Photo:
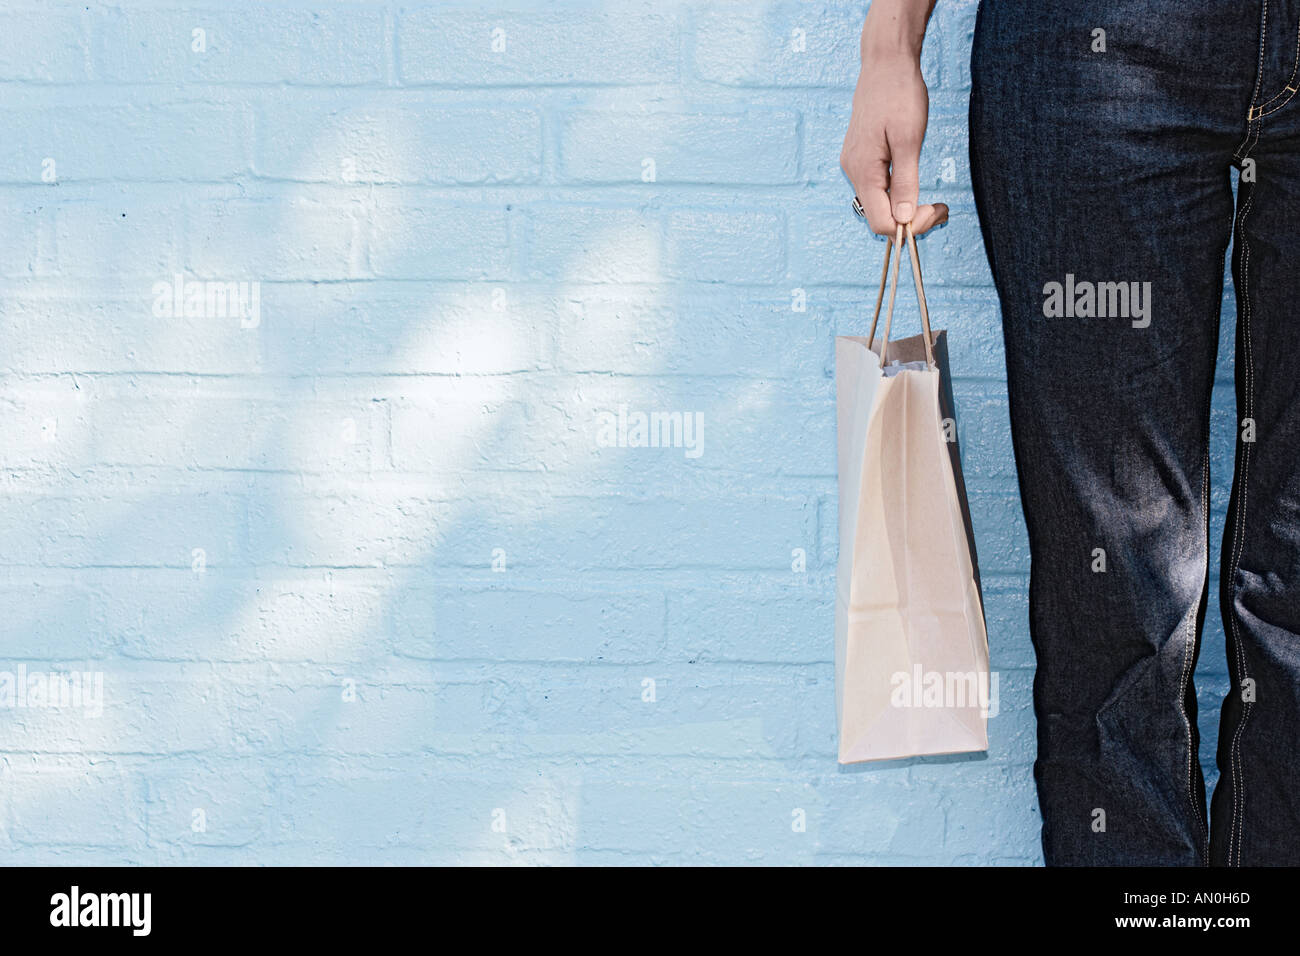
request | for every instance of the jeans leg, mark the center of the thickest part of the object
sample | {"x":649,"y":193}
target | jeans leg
{"x":1256,"y":818}
{"x":1100,"y":173}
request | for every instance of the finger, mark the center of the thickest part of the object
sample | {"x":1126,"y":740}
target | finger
{"x":904,"y":178}
{"x":879,"y":215}
{"x":873,"y":193}
{"x":928,"y":217}
{"x":870,"y":179}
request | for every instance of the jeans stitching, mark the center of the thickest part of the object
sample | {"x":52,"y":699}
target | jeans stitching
{"x":1253,"y":138}
{"x":1192,"y":756}
{"x":1188,"y":643}
{"x":1248,"y":143}
{"x":1203,"y":813}
{"x":1290,"y":88}
{"x":1251,"y":128}
{"x":1291,"y":91}
{"x":1237,"y":546}
{"x":1182,"y":705}
{"x":1234,"y":755}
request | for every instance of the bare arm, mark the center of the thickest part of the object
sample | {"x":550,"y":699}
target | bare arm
{"x":891,"y":106}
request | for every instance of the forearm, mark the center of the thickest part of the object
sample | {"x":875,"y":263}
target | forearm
{"x":895,"y":28}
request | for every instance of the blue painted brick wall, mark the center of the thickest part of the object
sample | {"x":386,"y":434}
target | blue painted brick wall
{"x":361,"y":581}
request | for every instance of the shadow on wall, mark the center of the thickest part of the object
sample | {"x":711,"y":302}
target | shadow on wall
{"x":365,"y":582}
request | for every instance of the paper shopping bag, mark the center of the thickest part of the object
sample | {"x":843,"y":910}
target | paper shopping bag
{"x":911,"y":650}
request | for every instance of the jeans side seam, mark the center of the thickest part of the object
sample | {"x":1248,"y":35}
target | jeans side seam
{"x":1263,"y":39}
{"x":1243,"y":150}
{"x":1192,"y":755}
{"x":1203,"y":807}
{"x":1189,"y":638}
{"x":1188,"y":642}
{"x":1252,"y":138}
{"x":1234,"y":750}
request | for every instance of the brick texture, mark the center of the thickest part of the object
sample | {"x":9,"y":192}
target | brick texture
{"x":363,"y":581}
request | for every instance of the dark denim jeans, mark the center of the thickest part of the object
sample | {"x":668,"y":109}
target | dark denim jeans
{"x":1103,"y":181}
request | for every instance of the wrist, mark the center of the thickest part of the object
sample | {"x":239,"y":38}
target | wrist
{"x":895,"y":30}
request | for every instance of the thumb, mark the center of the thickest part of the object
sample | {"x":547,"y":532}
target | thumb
{"x":905,"y":181}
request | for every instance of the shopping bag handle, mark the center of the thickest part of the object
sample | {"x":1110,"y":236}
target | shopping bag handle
{"x":915,"y":258}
